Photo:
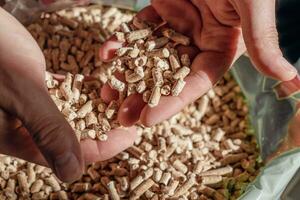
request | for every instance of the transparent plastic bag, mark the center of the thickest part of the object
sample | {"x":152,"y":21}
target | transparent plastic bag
{"x":275,"y":117}
{"x":27,"y":11}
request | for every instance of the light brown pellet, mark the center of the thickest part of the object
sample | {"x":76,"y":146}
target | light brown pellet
{"x":111,"y":109}
{"x":10,"y":189}
{"x":155,"y":97}
{"x":136,"y":182}
{"x":157,"y":174}
{"x":178,"y":87}
{"x":31,"y":174}
{"x":185,"y":60}
{"x":62,"y":195}
{"x":66,"y":88}
{"x":69,"y":22}
{"x":177,"y":164}
{"x":77,"y":86}
{"x":161,"y":63}
{"x":211,"y":180}
{"x":233,"y":158}
{"x":52,"y":181}
{"x":23,"y":183}
{"x":69,"y":114}
{"x":166,"y":176}
{"x":191,"y":181}
{"x":175,"y":63}
{"x":125,"y":28}
{"x":172,"y":187}
{"x":166,"y":90}
{"x":156,"y":43}
{"x":141,"y":87}
{"x":176,"y":37}
{"x":39,"y":195}
{"x":157,"y":76}
{"x":81,"y":187}
{"x":159,"y":53}
{"x":182,"y":73}
{"x":138,"y":34}
{"x":85,"y":109}
{"x":91,"y":119}
{"x":36,"y":186}
{"x":220,"y":171}
{"x":113,"y":191}
{"x":93,"y":174}
{"x":140,"y":61}
{"x":141,"y":189}
{"x":116,"y":84}
{"x":88,"y":134}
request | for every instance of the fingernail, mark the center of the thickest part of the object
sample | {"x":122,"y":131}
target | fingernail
{"x":67,"y":167}
{"x":290,"y":71}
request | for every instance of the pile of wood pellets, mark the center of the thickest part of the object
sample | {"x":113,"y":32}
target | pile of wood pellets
{"x":150,"y":64}
{"x":204,"y":152}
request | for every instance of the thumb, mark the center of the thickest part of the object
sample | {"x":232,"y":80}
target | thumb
{"x":29,"y":101}
{"x":53,"y":136}
{"x":261,"y":38}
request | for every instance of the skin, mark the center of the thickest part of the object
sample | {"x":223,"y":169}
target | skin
{"x":221,"y":30}
{"x":31,"y":127}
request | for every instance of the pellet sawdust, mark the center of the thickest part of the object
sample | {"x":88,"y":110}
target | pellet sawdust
{"x":204,"y":152}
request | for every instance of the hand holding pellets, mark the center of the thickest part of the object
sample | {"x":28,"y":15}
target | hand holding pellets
{"x":150,"y":64}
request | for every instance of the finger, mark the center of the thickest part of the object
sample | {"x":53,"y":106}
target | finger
{"x":287,"y":89}
{"x":49,"y":129}
{"x":108,"y":94}
{"x":261,"y":38}
{"x":192,"y":51}
{"x":130,"y":110}
{"x":27,"y":150}
{"x":188,"y":22}
{"x":118,"y":141}
{"x":224,"y":12}
{"x":15,"y":135}
{"x":150,"y":15}
{"x":207,"y":68}
{"x":108,"y":50}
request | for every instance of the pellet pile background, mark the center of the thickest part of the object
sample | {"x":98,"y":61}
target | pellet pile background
{"x":204,"y":152}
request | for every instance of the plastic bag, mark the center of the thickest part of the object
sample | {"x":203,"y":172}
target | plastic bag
{"x":27,"y":11}
{"x":273,"y":105}
{"x":275,"y":117}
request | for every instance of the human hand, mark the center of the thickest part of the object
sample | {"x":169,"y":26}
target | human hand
{"x":221,"y":32}
{"x":31,"y":127}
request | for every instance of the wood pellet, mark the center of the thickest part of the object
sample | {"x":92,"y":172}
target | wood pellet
{"x":203,"y":152}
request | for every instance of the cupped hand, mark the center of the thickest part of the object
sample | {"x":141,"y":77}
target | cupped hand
{"x":31,"y":126}
{"x":221,"y":30}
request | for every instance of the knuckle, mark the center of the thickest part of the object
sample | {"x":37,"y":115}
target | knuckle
{"x":269,"y":35}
